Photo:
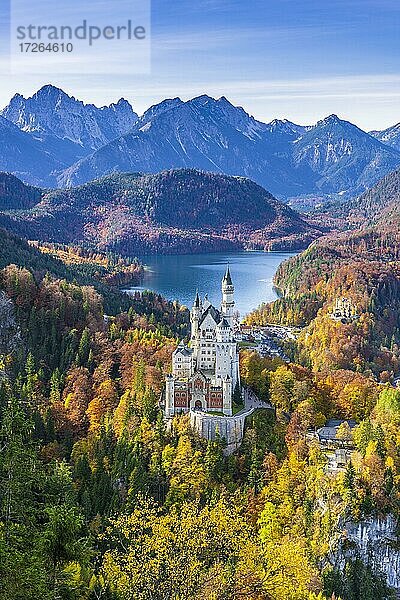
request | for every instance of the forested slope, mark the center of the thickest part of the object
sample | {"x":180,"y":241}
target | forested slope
{"x":179,"y":211}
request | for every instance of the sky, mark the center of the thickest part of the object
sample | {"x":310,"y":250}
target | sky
{"x":295,"y":59}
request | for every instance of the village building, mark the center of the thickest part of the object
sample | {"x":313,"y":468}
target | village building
{"x":335,"y":439}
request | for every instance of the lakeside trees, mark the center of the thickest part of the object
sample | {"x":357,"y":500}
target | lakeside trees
{"x":99,"y":500}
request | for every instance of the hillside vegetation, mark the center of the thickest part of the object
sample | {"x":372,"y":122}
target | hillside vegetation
{"x":172,"y":212}
{"x":362,"y":265}
{"x":101,"y":500}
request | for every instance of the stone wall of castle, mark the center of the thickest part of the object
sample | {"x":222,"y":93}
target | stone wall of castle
{"x":229,"y":428}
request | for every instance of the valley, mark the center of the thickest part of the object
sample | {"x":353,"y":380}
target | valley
{"x":103,"y":494}
{"x":200,"y":300}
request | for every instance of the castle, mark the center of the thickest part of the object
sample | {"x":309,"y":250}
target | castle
{"x":344,"y":311}
{"x":205,"y":373}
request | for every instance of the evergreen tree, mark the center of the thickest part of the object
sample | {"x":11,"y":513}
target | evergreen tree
{"x":237,"y":395}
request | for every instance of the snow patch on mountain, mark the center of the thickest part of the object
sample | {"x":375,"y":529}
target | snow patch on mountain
{"x":389,"y":136}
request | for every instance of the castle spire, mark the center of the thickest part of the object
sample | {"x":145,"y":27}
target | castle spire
{"x":228,"y":301}
{"x":197,"y":299}
{"x":227,"y":277}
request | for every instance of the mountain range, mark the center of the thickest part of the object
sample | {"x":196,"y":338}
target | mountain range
{"x":389,"y":136}
{"x":333,"y":157}
{"x":54,"y":140}
{"x":55,"y":131}
{"x":177,"y":211}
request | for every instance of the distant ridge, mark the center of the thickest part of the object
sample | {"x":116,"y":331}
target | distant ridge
{"x":333,"y":157}
{"x":176,"y":211}
{"x":378,"y":203}
{"x":62,"y":129}
{"x":389,"y":136}
{"x":69,"y":143}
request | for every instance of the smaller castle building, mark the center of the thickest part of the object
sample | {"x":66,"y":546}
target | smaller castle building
{"x":205,"y":373}
{"x":344,"y":311}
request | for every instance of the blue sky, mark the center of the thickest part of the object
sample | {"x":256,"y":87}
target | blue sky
{"x":299,"y":59}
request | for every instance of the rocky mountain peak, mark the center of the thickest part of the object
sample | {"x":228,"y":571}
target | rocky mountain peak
{"x":52,"y":112}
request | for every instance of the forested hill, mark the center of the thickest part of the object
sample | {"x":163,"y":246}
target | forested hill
{"x":385,"y":195}
{"x":362,"y":265}
{"x":378,"y":205}
{"x":184,"y":198}
{"x":99,"y":499}
{"x":63,"y":266}
{"x":16,"y":195}
{"x":14,"y":250}
{"x":174,"y":211}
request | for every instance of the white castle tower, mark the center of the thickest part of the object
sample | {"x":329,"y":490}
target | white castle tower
{"x":228,"y":301}
{"x":206,"y":372}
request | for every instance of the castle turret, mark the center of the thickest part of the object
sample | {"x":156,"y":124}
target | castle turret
{"x":222,"y":354}
{"x":228,"y":301}
{"x":195,"y":315}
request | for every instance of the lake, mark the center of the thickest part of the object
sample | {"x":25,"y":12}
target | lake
{"x":176,"y":277}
